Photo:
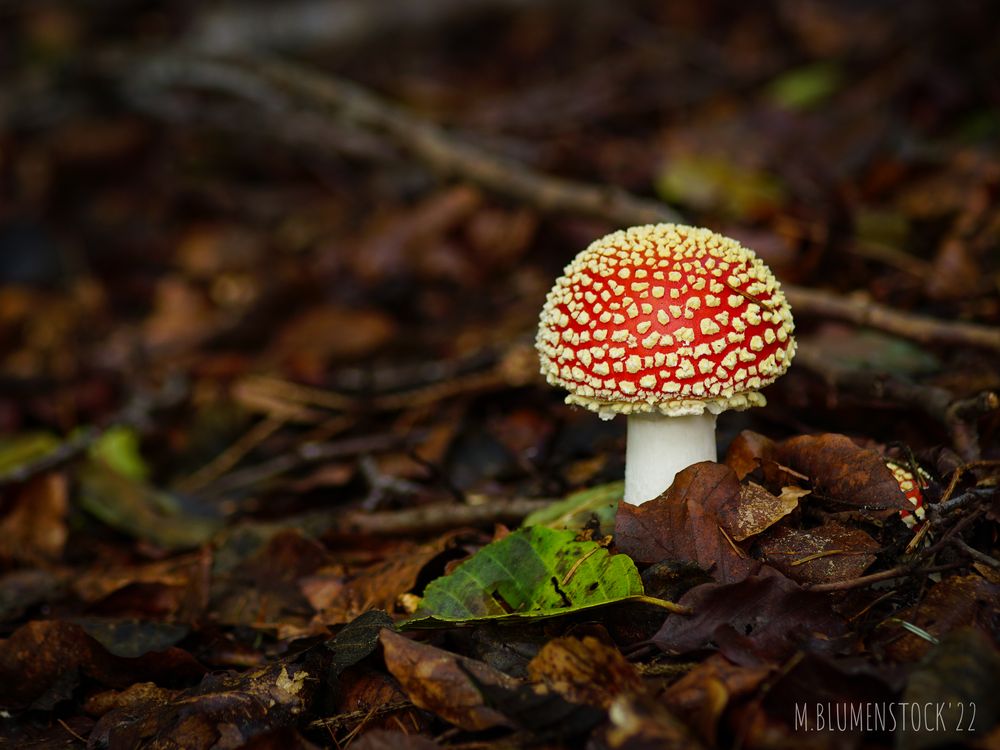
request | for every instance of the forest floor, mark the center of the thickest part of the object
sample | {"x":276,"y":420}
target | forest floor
{"x":270,"y":278}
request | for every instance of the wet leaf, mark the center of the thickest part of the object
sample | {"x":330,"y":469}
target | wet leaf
{"x":434,"y":680}
{"x":532,"y":572}
{"x":637,"y":723}
{"x":831,"y":552}
{"x":585,"y":670}
{"x":580,"y":508}
{"x":356,"y":641}
{"x":747,"y":451}
{"x":684,"y":524}
{"x":42,"y":662}
{"x":841,"y":470}
{"x":17,"y":451}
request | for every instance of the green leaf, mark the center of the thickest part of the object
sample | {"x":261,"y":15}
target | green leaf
{"x":709,"y":182}
{"x":135,"y":508}
{"x":17,"y":451}
{"x":532,"y":573}
{"x":118,"y":447}
{"x":577,"y":510}
{"x":806,"y":87}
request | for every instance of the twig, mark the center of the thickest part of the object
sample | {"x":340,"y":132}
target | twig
{"x":975,"y":554}
{"x":427,"y":519}
{"x":863,"y":312}
{"x":939,"y":510}
{"x":278,"y":84}
{"x":305,"y":23}
{"x":958,"y":416}
{"x":306,"y":453}
{"x":899,"y":571}
{"x":134,"y":414}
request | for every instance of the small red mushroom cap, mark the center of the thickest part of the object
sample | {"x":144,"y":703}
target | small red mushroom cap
{"x":911,"y":486}
{"x":665,"y":318}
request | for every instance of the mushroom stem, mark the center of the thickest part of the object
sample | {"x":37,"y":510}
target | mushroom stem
{"x":659,"y":446}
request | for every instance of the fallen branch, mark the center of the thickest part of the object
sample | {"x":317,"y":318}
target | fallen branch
{"x":277,"y":84}
{"x":863,"y":312}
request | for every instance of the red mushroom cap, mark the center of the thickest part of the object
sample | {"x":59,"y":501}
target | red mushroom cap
{"x":911,"y":486}
{"x":665,"y":318}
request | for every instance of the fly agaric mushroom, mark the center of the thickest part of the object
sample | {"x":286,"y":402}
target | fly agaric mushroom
{"x":669,"y":325}
{"x":912,"y":486}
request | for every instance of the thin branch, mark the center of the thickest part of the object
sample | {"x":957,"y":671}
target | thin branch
{"x":958,"y":416}
{"x":135,"y":414}
{"x":428,"y":518}
{"x":863,"y":312}
{"x":277,"y":84}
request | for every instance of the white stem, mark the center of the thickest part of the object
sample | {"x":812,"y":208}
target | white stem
{"x":659,"y":447}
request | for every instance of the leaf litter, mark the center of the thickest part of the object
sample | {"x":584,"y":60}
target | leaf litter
{"x":276,"y":468}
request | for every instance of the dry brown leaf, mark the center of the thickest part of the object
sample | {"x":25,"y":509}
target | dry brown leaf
{"x":747,"y":451}
{"x":841,"y":470}
{"x":684,"y":523}
{"x":758,"y":509}
{"x":433,"y":680}
{"x":35,"y":529}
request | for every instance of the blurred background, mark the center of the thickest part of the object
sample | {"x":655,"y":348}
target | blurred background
{"x":231,"y":264}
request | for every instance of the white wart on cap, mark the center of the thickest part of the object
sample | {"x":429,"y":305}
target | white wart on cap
{"x":667,"y":319}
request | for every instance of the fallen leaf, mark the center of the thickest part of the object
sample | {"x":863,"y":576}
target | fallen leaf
{"x":955,"y":602}
{"x":831,"y":552}
{"x":224,"y":711}
{"x":747,"y":451}
{"x":42,"y":662}
{"x":139,"y":510}
{"x":701,"y":696}
{"x":132,"y":638}
{"x":433,"y":680}
{"x":765,"y":616}
{"x":35,"y":528}
{"x":638,"y":723}
{"x":841,"y":470}
{"x":683,"y":524}
{"x":959,"y":675}
{"x":584,"y":671}
{"x":806,"y":87}
{"x":356,"y":641}
{"x":262,"y":590}
{"x":530,"y":573}
{"x":580,"y":508}
{"x":758,"y":510}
